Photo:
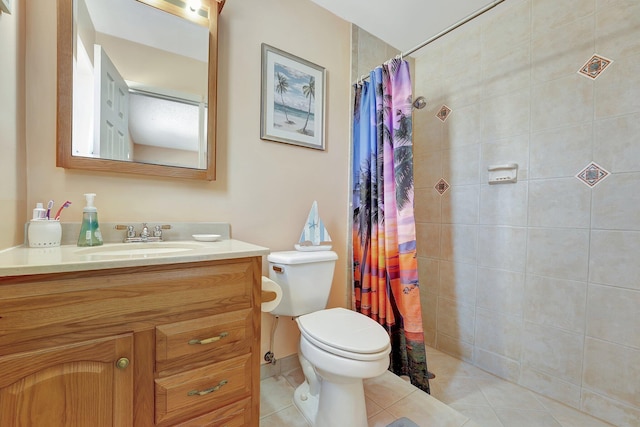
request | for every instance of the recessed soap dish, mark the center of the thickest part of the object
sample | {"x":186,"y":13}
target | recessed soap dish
{"x":206,"y":237}
{"x":503,"y":174}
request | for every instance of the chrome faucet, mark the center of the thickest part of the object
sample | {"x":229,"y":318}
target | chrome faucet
{"x":144,"y":235}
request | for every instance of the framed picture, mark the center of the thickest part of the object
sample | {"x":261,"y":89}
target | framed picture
{"x":293,"y":99}
{"x":5,"y":6}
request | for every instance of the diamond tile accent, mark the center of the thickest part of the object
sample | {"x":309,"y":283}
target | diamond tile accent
{"x":444,"y":112}
{"x":442,"y":186}
{"x":594,"y":66}
{"x":592,"y":174}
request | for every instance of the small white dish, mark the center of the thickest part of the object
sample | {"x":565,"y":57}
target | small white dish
{"x":206,"y":237}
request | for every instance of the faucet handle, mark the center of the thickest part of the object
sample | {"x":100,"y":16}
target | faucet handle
{"x":157,"y":231}
{"x":129,"y":228}
{"x":145,"y":230}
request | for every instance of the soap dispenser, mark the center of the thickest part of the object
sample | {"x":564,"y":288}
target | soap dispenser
{"x":90,"y":231}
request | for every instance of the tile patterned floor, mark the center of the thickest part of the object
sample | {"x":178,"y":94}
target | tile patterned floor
{"x":461,"y":395}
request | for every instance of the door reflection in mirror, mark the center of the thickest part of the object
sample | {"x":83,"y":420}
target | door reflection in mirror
{"x":140,"y":90}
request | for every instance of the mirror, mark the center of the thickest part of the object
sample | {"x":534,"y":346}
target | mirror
{"x":137,"y":86}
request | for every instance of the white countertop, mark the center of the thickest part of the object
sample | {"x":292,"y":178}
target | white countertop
{"x":23,"y":260}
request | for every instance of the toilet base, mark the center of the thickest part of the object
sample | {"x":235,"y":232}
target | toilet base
{"x":338,"y":404}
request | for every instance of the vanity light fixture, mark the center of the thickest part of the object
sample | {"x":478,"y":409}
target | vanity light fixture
{"x":194,"y":5}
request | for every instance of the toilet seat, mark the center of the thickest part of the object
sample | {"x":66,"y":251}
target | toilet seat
{"x":345,"y":333}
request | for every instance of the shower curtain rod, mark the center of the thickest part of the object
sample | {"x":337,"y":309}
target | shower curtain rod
{"x":448,"y":30}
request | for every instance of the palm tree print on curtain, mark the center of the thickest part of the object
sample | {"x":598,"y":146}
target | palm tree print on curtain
{"x":384,"y":243}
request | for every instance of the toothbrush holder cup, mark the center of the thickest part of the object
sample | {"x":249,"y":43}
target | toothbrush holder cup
{"x":44,"y":233}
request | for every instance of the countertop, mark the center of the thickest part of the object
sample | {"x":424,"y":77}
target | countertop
{"x":23,"y":260}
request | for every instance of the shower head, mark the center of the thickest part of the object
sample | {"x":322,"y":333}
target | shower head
{"x":420,"y":103}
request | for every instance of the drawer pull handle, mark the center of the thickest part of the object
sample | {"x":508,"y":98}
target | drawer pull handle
{"x":207,"y":391}
{"x":209,"y":340}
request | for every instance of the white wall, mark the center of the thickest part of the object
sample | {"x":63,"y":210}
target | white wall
{"x":264,"y":189}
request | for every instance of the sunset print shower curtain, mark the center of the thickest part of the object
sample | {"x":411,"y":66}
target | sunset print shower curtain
{"x":385,"y":272}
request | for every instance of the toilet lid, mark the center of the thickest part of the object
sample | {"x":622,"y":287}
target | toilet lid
{"x":344,"y":330}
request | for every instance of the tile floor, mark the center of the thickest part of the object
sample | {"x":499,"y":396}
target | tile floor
{"x":461,"y":395}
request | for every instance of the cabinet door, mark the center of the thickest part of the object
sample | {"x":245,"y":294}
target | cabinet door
{"x":70,"y":385}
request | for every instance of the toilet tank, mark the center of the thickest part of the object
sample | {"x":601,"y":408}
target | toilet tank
{"x":305,"y":279}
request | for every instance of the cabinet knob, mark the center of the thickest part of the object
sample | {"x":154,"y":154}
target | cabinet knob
{"x":122,"y":363}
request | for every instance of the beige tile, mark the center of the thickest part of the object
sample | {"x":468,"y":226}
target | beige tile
{"x":617,"y":29}
{"x":503,"y":31}
{"x":446,"y":367}
{"x":427,"y":128}
{"x":372,"y":408}
{"x":427,"y":169}
{"x":565,"y":101}
{"x":617,"y":89}
{"x":459,"y":93}
{"x":612,"y":315}
{"x":295,"y":377}
{"x":525,"y":418}
{"x":499,"y":333}
{"x":455,"y":319}
{"x":276,"y":394}
{"x":615,"y":143}
{"x":505,"y":395}
{"x":570,"y":417}
{"x":615,"y":412}
{"x":615,"y":258}
{"x":459,"y":242}
{"x":549,"y":14}
{"x":382,"y":419}
{"x":611,"y":378}
{"x":461,"y":166}
{"x":429,"y":275}
{"x":458,"y":282}
{"x":502,"y":247}
{"x":428,"y":239}
{"x":560,"y":152}
{"x":461,"y":49}
{"x":427,"y":411}
{"x":454,"y":346}
{"x":504,"y":204}
{"x":506,"y":115}
{"x":555,"y":302}
{"x":550,"y":386}
{"x":462,"y":130}
{"x":500,"y":290}
{"x":553,"y":351}
{"x":551,"y":60}
{"x":558,"y":252}
{"x":507,"y":74}
{"x":617,"y":209}
{"x":461,"y":204}
{"x":429,"y":306}
{"x":289,"y":417}
{"x":386,"y":389}
{"x":427,"y":203}
{"x":484,"y":416}
{"x":460,"y":390}
{"x":562,"y":202}
{"x":500,"y":366}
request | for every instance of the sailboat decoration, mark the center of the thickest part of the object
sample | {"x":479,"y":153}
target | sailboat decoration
{"x":314,"y":236}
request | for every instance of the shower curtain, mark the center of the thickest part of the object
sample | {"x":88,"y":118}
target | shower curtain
{"x":385,"y":273}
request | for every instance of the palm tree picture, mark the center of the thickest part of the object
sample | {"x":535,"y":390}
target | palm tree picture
{"x":292,"y":99}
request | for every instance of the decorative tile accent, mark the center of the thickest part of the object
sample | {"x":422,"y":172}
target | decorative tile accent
{"x":442,"y":186}
{"x":592,"y":174}
{"x":444,"y":112}
{"x":594,"y":66}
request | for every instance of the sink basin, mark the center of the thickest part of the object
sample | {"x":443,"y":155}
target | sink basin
{"x":131,"y":250}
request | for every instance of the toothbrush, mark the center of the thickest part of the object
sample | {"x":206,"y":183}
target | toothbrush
{"x":49,"y":207}
{"x":65,"y":205}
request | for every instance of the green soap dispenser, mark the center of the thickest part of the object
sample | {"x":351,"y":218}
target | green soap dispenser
{"x":90,"y":231}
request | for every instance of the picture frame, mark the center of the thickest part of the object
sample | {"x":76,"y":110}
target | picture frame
{"x":5,"y":6}
{"x":293,"y":92}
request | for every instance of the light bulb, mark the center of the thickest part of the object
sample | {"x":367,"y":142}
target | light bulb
{"x":194,"y":5}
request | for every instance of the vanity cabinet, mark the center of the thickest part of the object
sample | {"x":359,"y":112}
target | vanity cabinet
{"x":159,"y":345}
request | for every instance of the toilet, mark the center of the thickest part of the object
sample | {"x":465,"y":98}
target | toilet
{"x":338,"y":347}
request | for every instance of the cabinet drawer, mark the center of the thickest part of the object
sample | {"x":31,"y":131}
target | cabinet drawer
{"x":203,"y":389}
{"x":235,"y":415}
{"x":211,"y":339}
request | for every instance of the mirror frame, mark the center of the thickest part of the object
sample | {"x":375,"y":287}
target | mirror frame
{"x":64,"y":157}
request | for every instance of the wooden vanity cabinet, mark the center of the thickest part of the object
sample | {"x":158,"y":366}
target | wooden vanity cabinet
{"x":141,"y":346}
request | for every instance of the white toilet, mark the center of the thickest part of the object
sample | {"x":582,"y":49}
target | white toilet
{"x":338,"y":347}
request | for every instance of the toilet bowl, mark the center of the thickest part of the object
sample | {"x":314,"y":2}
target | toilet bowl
{"x":338,"y":348}
{"x":344,"y":348}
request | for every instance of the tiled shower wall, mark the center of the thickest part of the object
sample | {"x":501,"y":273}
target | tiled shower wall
{"x":537,"y":281}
